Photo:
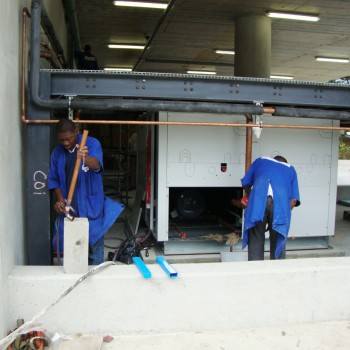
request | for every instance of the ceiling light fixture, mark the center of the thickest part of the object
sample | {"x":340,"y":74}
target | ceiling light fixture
{"x":332,"y":59}
{"x":153,"y":5}
{"x":225,"y":52}
{"x":118,"y":69}
{"x":281,"y":77}
{"x":126,"y":46}
{"x":200,"y":72}
{"x":294,"y":16}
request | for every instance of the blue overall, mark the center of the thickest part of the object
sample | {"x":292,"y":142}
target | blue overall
{"x":90,"y":200}
{"x":283,"y":179}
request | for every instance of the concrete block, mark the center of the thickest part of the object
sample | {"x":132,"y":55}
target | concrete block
{"x":76,"y":245}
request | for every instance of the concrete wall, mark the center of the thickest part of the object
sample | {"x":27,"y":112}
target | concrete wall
{"x":12,"y":150}
{"x":204,"y":297}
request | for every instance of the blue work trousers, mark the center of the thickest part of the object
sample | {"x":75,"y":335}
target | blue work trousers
{"x":97,"y":252}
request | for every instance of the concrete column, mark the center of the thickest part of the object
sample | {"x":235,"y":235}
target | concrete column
{"x":253,"y":46}
{"x":76,"y":245}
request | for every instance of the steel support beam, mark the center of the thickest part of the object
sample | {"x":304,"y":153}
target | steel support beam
{"x":38,"y":226}
{"x":196,"y":88}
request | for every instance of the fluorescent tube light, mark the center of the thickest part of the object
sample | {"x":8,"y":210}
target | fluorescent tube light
{"x":118,"y":69}
{"x":125,"y":46}
{"x":200,"y":72}
{"x":281,"y":77}
{"x":294,"y":16}
{"x":153,"y":5}
{"x":332,"y":59}
{"x":225,"y":52}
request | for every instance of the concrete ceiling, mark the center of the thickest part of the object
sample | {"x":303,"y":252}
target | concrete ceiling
{"x":185,"y":36}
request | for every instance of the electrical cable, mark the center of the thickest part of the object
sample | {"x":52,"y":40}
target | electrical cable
{"x":109,"y":247}
{"x":57,"y":224}
{"x":28,"y":326}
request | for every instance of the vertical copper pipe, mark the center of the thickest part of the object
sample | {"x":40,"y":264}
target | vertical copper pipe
{"x":49,"y":57}
{"x":25,"y":13}
{"x":248,"y":143}
{"x":77,"y":115}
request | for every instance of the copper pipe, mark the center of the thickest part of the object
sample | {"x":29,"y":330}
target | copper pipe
{"x":238,"y":125}
{"x":45,"y":45}
{"x":269,"y":110}
{"x":77,"y":115}
{"x":248,"y":143}
{"x":45,"y":54}
{"x":49,"y":57}
{"x":25,"y":14}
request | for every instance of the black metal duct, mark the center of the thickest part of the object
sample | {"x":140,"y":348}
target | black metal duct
{"x":173,"y":106}
{"x":311,"y":113}
{"x":70,"y":9}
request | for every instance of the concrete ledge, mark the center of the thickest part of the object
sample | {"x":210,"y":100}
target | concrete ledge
{"x":204,"y":297}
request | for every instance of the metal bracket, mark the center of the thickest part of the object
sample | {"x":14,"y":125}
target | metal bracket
{"x":70,"y":110}
{"x":258,"y":121}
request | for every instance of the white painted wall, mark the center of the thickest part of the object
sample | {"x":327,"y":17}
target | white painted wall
{"x":12,"y":150}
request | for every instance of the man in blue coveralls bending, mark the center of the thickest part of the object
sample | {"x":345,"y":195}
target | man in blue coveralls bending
{"x":88,"y":200}
{"x":272,"y":186}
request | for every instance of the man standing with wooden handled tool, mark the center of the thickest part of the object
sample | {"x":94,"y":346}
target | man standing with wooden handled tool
{"x":79,"y":189}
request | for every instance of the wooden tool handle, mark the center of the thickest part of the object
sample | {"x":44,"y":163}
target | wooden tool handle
{"x":76,"y":169}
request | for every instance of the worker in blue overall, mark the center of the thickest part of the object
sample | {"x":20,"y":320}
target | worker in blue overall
{"x":88,"y":200}
{"x":85,"y":60}
{"x":272,"y":187}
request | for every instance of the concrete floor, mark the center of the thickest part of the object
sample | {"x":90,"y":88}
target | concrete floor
{"x":316,"y":336}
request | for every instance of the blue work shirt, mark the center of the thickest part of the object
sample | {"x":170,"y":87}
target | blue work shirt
{"x":92,"y":204}
{"x":283,"y":179}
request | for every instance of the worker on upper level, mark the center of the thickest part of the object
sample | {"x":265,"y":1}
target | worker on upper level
{"x":85,"y":60}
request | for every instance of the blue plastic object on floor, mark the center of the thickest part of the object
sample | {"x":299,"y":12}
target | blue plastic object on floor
{"x":142,"y":267}
{"x":169,"y":270}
